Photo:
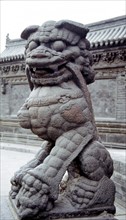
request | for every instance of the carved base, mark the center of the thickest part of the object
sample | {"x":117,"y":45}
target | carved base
{"x":64,"y":210}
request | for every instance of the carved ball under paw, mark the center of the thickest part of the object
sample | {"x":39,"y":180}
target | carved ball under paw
{"x":32,"y":197}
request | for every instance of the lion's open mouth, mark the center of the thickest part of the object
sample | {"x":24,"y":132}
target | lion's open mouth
{"x":39,"y":72}
{"x":52,"y":75}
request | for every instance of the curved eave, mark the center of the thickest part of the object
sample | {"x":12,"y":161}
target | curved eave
{"x":108,"y":43}
{"x":94,"y":45}
{"x":12,"y":58}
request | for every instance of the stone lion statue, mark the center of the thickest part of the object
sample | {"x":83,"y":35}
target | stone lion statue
{"x":59,"y":111}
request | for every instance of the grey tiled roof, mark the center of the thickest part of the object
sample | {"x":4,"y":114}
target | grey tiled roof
{"x":104,"y":33}
{"x":107,"y":33}
{"x":14,"y":50}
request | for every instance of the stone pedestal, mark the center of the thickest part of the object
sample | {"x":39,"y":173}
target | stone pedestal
{"x":67,"y":212}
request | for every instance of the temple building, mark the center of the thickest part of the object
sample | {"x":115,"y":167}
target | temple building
{"x":108,"y":46}
{"x":108,"y":92}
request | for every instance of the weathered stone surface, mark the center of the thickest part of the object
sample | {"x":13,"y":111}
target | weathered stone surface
{"x":59,"y":110}
{"x":12,"y":101}
{"x":104,"y":98}
{"x":66,"y":212}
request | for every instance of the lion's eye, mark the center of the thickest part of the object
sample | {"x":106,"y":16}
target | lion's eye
{"x":58,"y":45}
{"x":32,"y":45}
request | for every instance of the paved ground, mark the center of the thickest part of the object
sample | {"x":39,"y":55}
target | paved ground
{"x":12,"y":158}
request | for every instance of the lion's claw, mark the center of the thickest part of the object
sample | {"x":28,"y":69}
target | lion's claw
{"x":16,"y":184}
{"x":15,"y":187}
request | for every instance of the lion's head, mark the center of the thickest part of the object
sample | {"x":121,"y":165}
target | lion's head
{"x":54,"y":45}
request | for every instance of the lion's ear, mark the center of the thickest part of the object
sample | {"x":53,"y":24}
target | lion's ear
{"x":29,"y":30}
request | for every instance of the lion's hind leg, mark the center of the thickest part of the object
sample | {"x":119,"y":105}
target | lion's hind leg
{"x":93,"y":188}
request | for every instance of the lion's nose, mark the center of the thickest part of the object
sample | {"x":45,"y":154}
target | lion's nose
{"x":43,"y":52}
{"x":49,"y":51}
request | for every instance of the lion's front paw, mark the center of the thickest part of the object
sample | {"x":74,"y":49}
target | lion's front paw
{"x":32,"y":197}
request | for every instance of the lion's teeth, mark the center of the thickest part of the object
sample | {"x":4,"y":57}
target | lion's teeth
{"x":34,"y":69}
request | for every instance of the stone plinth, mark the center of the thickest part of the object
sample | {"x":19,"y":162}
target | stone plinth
{"x":105,"y":213}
